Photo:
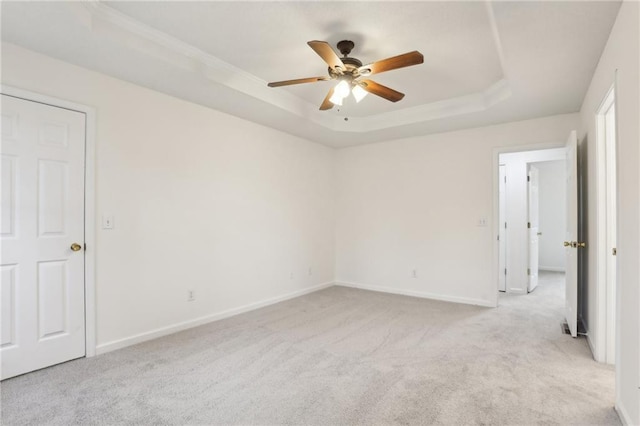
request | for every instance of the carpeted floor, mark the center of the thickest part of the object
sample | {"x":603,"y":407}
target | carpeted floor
{"x":338,"y":356}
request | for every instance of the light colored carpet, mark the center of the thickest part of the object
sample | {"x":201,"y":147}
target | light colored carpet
{"x":338,"y":356}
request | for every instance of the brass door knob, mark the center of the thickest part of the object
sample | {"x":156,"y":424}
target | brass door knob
{"x":567,"y":244}
{"x":76,"y":247}
{"x":580,"y":245}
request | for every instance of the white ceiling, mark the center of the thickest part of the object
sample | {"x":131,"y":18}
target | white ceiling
{"x":485,"y":62}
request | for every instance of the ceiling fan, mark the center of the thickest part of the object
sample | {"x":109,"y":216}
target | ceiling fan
{"x":350,"y":71}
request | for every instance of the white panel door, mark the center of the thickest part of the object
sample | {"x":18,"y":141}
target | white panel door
{"x":42,"y":277}
{"x":571,"y":235}
{"x":534,"y":226}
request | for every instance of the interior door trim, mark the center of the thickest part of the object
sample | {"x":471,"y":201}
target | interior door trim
{"x":89,"y":203}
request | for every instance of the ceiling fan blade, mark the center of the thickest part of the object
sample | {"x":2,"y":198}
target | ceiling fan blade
{"x":380,"y":90}
{"x":400,"y":61}
{"x":297,"y":81}
{"x":327,"y":104}
{"x":325,"y":51}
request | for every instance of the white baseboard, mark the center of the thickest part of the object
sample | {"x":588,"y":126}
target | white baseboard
{"x":592,"y":346}
{"x":174,"y":328}
{"x":551,"y":268}
{"x":623,"y":414}
{"x":433,"y":296}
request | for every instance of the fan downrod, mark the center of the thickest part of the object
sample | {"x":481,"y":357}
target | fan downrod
{"x":345,"y":47}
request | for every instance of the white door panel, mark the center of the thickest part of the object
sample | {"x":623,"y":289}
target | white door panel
{"x":571,"y":235}
{"x":42,"y":215}
{"x":8,"y":183}
{"x":8,"y":284}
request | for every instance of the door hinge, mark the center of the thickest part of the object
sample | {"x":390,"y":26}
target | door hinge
{"x":505,"y":179}
{"x":498,"y":238}
{"x":505,"y":225}
{"x":528,"y":178}
{"x":528,"y":271}
{"x":614,"y":251}
{"x":505,"y":271}
{"x":528,"y":224}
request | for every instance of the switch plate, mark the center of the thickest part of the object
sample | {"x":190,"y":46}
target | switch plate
{"x":107,"y":221}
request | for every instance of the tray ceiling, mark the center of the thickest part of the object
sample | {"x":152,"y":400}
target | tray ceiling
{"x":485,"y":62}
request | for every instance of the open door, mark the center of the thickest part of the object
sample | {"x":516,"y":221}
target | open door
{"x":571,"y":235}
{"x":533,"y":226}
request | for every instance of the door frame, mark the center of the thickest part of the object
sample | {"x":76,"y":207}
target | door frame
{"x":89,"y":203}
{"x":603,"y":304}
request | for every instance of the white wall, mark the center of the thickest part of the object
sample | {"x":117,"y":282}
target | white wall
{"x":553,"y":214}
{"x":202,"y":200}
{"x":416,"y":204}
{"x":622,"y":53}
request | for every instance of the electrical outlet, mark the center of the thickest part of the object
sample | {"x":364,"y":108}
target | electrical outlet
{"x":482,"y":221}
{"x":191,"y":296}
{"x":310,"y":271}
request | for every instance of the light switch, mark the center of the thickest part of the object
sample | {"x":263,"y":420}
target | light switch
{"x":107,"y":221}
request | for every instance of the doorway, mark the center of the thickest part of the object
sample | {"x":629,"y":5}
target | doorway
{"x":517,"y":224}
{"x":551,"y":213}
{"x":47,"y":307}
{"x":531,"y":215}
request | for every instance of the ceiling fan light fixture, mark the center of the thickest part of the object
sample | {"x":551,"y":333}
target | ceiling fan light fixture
{"x":348,"y":70}
{"x":358,"y":93}
{"x":342,"y":89}
{"x":340,"y":92}
{"x":336,"y":100}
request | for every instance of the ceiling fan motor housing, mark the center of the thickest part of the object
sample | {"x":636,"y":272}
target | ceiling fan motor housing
{"x":351,"y":65}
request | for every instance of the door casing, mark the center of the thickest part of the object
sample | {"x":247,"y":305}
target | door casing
{"x":89,"y":203}
{"x":605,"y":304}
